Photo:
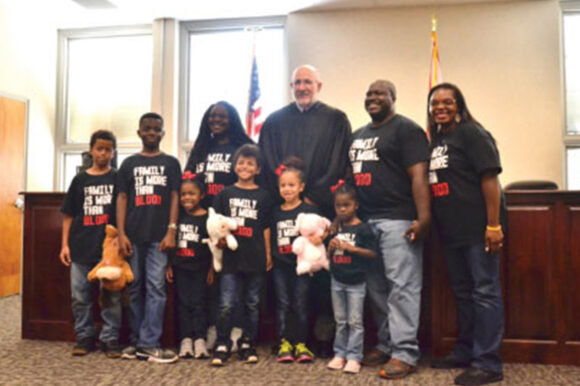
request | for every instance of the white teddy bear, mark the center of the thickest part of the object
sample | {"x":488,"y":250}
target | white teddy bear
{"x":219,"y":227}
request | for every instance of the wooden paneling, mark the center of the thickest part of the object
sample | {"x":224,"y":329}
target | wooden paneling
{"x":46,"y":310}
{"x":12,"y":131}
{"x":571,"y":288}
{"x":540,"y":270}
{"x":528,"y":249}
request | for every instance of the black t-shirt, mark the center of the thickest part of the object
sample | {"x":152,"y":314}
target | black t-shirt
{"x":380,"y":158}
{"x":191,"y":253}
{"x":284,"y":232}
{"x":218,"y":170}
{"x":458,"y":160}
{"x":148,"y":183}
{"x":350,"y":268}
{"x":90,"y":201}
{"x":251,"y":209}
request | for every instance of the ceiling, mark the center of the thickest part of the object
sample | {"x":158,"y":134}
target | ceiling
{"x":81,"y":13}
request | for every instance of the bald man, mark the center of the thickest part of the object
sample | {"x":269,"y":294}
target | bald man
{"x":320,"y":136}
{"x":312,"y":131}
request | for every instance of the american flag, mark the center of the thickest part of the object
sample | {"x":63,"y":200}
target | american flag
{"x":254,"y":119}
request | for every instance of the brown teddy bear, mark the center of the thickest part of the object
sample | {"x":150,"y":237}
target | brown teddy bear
{"x":113,"y":270}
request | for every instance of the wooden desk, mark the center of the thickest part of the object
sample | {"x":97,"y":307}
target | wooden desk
{"x":540,"y":269}
{"x":540,"y":273}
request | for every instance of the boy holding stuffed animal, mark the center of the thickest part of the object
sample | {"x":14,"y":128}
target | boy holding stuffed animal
{"x":243,"y":269}
{"x":88,"y":207}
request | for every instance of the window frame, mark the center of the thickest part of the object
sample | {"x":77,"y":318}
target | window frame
{"x":62,"y":147}
{"x":570,"y":141}
{"x":186,"y":29}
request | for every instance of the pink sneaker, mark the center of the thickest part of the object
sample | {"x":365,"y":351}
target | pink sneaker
{"x":337,"y":363}
{"x":352,"y":367}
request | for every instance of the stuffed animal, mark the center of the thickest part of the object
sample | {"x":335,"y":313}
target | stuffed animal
{"x":113,"y":270}
{"x":219,"y":227}
{"x":309,"y":257}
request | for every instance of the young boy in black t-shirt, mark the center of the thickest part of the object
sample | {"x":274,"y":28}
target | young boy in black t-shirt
{"x":243,"y":268}
{"x":147,"y":211}
{"x":88,"y":207}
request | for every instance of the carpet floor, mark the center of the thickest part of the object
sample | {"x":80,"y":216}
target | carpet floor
{"x":28,"y":362}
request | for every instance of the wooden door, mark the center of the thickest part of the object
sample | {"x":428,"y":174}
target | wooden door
{"x":12,"y":137}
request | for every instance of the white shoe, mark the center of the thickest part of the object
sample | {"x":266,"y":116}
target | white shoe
{"x":337,"y":363}
{"x":352,"y":367}
{"x":186,"y":348}
{"x":211,"y":338}
{"x":235,"y":335}
{"x":200,"y":349}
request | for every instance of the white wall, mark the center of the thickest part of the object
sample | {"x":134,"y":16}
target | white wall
{"x":28,"y":69}
{"x":504,"y":56}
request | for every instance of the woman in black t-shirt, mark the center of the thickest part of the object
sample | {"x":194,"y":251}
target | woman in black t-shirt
{"x":220,"y":134}
{"x":466,"y":201}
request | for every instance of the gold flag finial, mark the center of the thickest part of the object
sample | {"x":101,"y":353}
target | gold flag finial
{"x":433,"y":22}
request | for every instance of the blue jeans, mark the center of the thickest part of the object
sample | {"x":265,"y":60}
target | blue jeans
{"x":348,"y":303}
{"x":474,"y":277}
{"x":231,"y":286}
{"x":147,"y":294}
{"x":394,"y":286}
{"x":82,"y":306}
{"x":291,"y":296}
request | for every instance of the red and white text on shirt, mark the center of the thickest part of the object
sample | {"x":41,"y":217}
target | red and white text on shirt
{"x":151,"y":199}
{"x":244,"y":232}
{"x":341,"y":259}
{"x":285,"y":249}
{"x":96,"y":220}
{"x":214,"y":189}
{"x":185,"y":252}
{"x":362,"y":179}
{"x":439,"y":190}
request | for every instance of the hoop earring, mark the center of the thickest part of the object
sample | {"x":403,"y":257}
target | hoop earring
{"x":457,"y":118}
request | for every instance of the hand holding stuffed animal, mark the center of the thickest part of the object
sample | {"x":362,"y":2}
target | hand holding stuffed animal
{"x":310,"y":258}
{"x":113,"y":270}
{"x":219,"y":227}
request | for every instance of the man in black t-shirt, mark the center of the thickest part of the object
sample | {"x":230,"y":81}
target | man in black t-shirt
{"x":389,"y":163}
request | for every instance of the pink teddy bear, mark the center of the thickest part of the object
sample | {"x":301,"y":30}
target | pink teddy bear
{"x":310,"y":258}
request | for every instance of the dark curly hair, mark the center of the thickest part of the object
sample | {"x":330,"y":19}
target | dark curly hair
{"x":236,"y":133}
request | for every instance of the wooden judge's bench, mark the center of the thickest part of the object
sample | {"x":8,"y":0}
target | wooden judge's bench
{"x":540,"y":270}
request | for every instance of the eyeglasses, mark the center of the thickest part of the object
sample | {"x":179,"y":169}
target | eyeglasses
{"x":444,"y":102}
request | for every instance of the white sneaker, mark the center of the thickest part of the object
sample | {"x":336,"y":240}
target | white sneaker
{"x":337,"y":363}
{"x":200,"y":349}
{"x":235,"y":335}
{"x":211,"y":338}
{"x":352,"y":367}
{"x":186,"y":348}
